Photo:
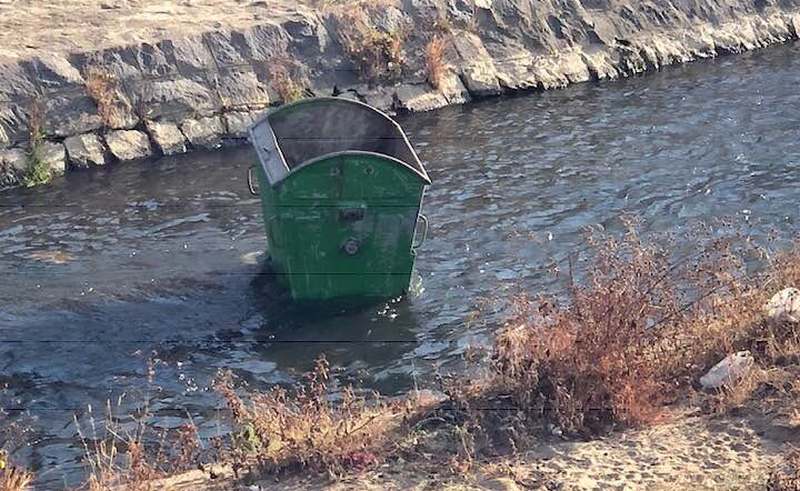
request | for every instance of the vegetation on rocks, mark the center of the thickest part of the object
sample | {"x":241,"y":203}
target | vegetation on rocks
{"x":101,"y":86}
{"x":38,"y":170}
{"x":286,"y":80}
{"x":434,"y":61}
{"x":377,"y":53}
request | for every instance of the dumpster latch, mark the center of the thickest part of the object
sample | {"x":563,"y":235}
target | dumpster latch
{"x":349,"y":215}
{"x":351,"y":246}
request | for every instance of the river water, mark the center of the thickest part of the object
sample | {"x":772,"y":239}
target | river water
{"x":108,"y":268}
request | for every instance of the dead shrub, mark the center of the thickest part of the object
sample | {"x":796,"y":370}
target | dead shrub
{"x":641,"y":325}
{"x":127,"y":452}
{"x":101,"y":87}
{"x":15,"y":433}
{"x":38,"y":170}
{"x":594,"y":361}
{"x":13,"y":478}
{"x":285,"y":79}
{"x":377,"y":54}
{"x":133,"y":459}
{"x":279,"y":430}
{"x":434,"y":61}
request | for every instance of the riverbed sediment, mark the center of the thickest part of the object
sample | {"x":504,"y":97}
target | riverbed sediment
{"x":143,"y":79}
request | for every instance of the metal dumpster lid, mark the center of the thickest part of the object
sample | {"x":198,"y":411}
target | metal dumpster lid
{"x":295,"y":135}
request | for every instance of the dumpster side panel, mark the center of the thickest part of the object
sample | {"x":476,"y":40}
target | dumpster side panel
{"x":344,"y":226}
{"x":276,"y":248}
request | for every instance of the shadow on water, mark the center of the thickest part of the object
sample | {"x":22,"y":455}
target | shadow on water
{"x":338,"y":328}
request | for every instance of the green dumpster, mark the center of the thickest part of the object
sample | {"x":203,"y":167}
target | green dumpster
{"x":341,"y":190}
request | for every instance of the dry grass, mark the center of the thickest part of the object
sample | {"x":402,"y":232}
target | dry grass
{"x":128,"y":453}
{"x":101,"y":86}
{"x":119,"y":458}
{"x":14,"y":433}
{"x":38,"y":171}
{"x":434,"y":61}
{"x":378,"y":55}
{"x":595,"y":360}
{"x":786,"y":476}
{"x":280,"y":431}
{"x":286,"y":81}
{"x":13,"y":478}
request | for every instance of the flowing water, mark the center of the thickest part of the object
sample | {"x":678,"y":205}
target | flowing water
{"x":108,"y":268}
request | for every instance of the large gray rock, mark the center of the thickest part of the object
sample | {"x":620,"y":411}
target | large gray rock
{"x":13,"y":165}
{"x":14,"y":122}
{"x":128,"y":144}
{"x":453,"y":89}
{"x":55,"y":156}
{"x":14,"y":158}
{"x":477,"y":66}
{"x":85,"y":150}
{"x":119,"y":61}
{"x":175,"y":99}
{"x":241,"y":89}
{"x":14,"y":162}
{"x":16,"y":83}
{"x":729,"y":371}
{"x":264,"y":41}
{"x":204,"y":133}
{"x":419,"y":98}
{"x":784,"y":306}
{"x":167,"y":137}
{"x":190,"y":54}
{"x":55,"y":71}
{"x":228,"y":47}
{"x":154,"y":61}
{"x":68,"y":114}
{"x":239,"y":123}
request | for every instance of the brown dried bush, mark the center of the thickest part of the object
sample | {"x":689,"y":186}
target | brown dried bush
{"x":13,"y":478}
{"x":279,"y":430}
{"x":101,"y":86}
{"x":434,"y":61}
{"x":15,"y":429}
{"x":593,"y":361}
{"x":128,"y":453}
{"x":377,"y":54}
{"x":285,"y":79}
{"x":38,"y":170}
{"x":641,"y":325}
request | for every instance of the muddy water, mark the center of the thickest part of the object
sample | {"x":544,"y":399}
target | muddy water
{"x":108,"y":268}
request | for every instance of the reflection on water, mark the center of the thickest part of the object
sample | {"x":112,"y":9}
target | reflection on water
{"x":107,"y":267}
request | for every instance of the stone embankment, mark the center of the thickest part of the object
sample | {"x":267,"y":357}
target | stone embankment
{"x":73,"y":97}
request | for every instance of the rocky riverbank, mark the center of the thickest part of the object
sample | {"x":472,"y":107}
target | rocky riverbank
{"x":144,"y":78}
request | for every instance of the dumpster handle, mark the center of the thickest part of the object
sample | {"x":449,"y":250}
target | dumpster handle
{"x":424,"y":221}
{"x":250,"y":185}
